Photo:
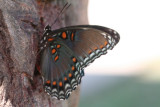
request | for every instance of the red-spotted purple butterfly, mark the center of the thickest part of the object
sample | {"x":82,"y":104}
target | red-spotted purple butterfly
{"x":66,"y":51}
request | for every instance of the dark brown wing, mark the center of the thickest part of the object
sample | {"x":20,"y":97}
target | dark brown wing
{"x":68,"y":51}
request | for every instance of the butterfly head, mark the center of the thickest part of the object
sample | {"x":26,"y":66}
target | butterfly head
{"x":47,"y":28}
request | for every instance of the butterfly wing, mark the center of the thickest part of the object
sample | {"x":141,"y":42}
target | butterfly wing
{"x":67,"y":51}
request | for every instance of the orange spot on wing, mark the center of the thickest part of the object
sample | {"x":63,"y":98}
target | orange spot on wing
{"x":70,"y":75}
{"x":53,"y":50}
{"x":56,"y":58}
{"x":54,"y":83}
{"x":74,"y":59}
{"x":105,"y":43}
{"x":48,"y":82}
{"x":89,"y":52}
{"x":58,"y":46}
{"x":73,"y":68}
{"x":101,"y":46}
{"x":64,"y":36}
{"x":95,"y":48}
{"x":50,"y":39}
{"x":60,"y":84}
{"x":65,"y":78}
{"x":72,"y":36}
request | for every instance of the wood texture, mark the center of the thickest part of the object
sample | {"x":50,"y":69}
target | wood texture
{"x":19,"y":87}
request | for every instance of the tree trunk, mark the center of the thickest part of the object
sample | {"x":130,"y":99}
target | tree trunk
{"x":19,"y":86}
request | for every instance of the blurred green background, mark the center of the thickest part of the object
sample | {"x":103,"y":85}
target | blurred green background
{"x":137,"y":90}
{"x":124,"y":92}
{"x":140,"y":90}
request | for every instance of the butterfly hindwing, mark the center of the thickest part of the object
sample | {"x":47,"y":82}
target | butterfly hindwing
{"x":66,"y":51}
{"x":64,"y":72}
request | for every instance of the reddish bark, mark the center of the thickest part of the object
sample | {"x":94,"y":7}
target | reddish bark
{"x":19,"y":87}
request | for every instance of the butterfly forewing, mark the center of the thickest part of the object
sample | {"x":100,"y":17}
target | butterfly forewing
{"x":66,"y":51}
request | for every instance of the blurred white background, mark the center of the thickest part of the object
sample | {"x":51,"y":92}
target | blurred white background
{"x":138,"y":23}
{"x":129,"y":75}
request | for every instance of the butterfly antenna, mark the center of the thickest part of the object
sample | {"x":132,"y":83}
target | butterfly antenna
{"x":61,"y":12}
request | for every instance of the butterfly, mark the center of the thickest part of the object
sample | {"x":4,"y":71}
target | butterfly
{"x":65,"y":52}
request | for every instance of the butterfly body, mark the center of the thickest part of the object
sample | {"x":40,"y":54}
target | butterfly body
{"x":67,"y":51}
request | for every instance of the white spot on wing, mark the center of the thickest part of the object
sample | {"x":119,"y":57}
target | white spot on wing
{"x":61,"y":92}
{"x":92,"y":54}
{"x":48,"y":88}
{"x":109,"y":41}
{"x":54,"y":35}
{"x":41,"y":48}
{"x":103,"y":49}
{"x":41,"y":41}
{"x":66,"y":86}
{"x":61,"y":99}
{"x":86,"y":59}
{"x":54,"y":97}
{"x":54,"y":90}
{"x":114,"y":32}
{"x":97,"y":51}
{"x":85,"y":28}
{"x":107,"y":46}
{"x":76,"y":73}
{"x":110,"y":30}
{"x":103,"y":33}
{"x":109,"y":36}
{"x":44,"y":38}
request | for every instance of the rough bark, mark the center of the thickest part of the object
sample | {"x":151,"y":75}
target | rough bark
{"x":19,"y":87}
